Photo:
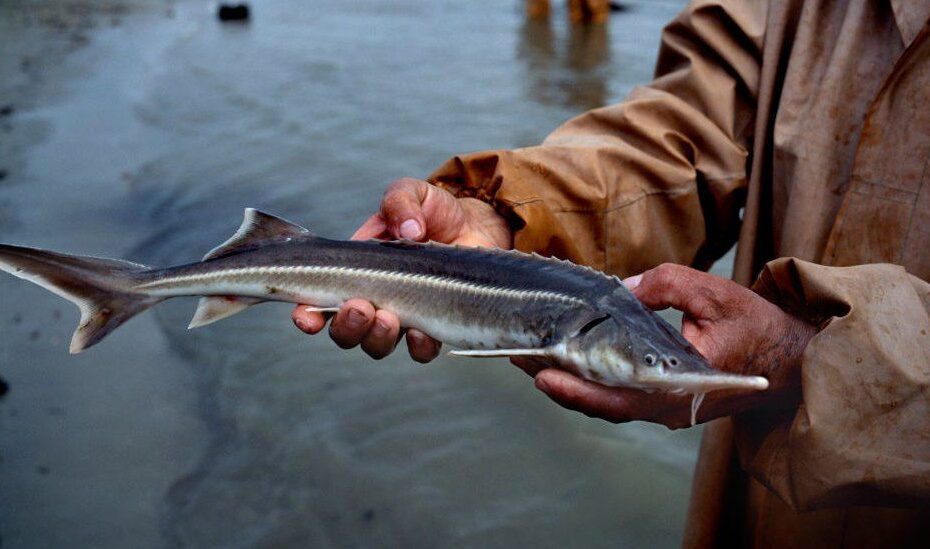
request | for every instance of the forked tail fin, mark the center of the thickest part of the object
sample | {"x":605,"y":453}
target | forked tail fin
{"x":101,"y":288}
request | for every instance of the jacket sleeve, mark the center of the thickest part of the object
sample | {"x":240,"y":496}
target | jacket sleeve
{"x":861,"y":435}
{"x":659,"y":177}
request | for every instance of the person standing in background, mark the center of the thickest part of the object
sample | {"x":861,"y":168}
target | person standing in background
{"x":579,"y":11}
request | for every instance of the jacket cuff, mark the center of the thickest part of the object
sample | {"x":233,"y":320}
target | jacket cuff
{"x":859,"y":436}
{"x":507,"y":179}
{"x":489,"y":176}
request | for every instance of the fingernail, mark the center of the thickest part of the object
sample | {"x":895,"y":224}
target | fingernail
{"x":632,"y":282}
{"x":355,"y":318}
{"x":542,"y":385}
{"x":411,"y":229}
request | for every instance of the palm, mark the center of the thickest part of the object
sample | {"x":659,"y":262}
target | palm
{"x":735,"y":329}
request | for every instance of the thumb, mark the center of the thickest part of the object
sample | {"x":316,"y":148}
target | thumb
{"x":415,"y":210}
{"x":402,"y":209}
{"x":683,"y":288}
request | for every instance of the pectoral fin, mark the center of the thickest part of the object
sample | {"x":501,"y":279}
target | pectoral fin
{"x":482,"y":353}
{"x":211,"y":309}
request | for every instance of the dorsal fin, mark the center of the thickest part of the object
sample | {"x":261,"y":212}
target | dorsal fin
{"x":258,"y":226}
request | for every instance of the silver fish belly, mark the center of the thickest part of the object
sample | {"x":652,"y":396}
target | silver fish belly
{"x":462,"y":313}
{"x":485,"y":302}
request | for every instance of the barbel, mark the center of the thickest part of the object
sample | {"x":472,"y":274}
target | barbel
{"x":485,"y":302}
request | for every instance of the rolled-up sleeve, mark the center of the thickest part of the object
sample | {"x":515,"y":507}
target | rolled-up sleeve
{"x":659,"y":177}
{"x":861,"y":435}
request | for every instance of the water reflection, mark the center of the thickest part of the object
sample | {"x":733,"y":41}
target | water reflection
{"x":570,"y":71}
{"x":247,"y":433}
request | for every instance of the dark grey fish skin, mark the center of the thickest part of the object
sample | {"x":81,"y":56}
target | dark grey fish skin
{"x":518,"y":292}
{"x":487,"y":302}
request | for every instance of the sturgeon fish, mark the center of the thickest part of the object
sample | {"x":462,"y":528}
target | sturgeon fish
{"x":488,"y":303}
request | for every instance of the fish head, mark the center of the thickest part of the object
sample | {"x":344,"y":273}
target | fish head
{"x":642,"y":351}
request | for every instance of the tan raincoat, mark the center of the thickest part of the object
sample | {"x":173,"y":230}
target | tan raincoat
{"x":801,"y":131}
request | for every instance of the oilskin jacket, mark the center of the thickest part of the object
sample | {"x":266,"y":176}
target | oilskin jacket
{"x":799,"y":130}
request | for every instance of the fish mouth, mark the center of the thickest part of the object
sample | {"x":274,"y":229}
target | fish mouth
{"x":702,"y":382}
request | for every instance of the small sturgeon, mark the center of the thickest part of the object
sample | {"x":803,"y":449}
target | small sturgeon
{"x":489,"y":303}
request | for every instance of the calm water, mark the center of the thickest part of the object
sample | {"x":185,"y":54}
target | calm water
{"x":142,"y":130}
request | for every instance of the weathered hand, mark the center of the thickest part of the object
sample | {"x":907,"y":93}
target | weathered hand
{"x":735,"y":329}
{"x":413,"y":210}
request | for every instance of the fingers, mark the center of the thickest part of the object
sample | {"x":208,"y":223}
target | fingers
{"x":591,"y":399}
{"x":422,"y":347}
{"x":381,"y":339}
{"x":612,"y":403}
{"x":351,"y":323}
{"x":693,"y":292}
{"x":530,"y":365}
{"x":402,"y":208}
{"x":373,"y":227}
{"x":307,"y":321}
{"x":415,"y":210}
{"x":377,"y":331}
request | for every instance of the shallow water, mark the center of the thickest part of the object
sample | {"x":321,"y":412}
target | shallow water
{"x":141,"y":130}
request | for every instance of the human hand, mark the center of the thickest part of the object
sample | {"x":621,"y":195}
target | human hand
{"x":734,"y":328}
{"x":411,"y":209}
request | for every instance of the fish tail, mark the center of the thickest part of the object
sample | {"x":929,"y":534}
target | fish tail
{"x":101,"y":288}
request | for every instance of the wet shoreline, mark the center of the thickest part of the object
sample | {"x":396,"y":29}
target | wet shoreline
{"x":143,"y":134}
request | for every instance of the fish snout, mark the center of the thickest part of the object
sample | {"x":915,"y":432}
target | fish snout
{"x":670,"y":362}
{"x":663,"y":362}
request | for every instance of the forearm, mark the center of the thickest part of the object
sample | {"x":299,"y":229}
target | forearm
{"x":654,"y":179}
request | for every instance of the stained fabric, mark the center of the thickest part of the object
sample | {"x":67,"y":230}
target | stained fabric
{"x":795,"y":129}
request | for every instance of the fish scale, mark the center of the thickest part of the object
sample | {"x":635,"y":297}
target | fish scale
{"x":485,"y":302}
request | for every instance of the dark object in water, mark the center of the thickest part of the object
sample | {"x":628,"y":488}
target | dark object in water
{"x":233,"y":12}
{"x":617,"y":7}
{"x":4,"y":387}
{"x":6,"y":110}
{"x":3,"y":174}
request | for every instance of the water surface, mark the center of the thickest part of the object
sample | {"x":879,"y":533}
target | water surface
{"x":142,"y":130}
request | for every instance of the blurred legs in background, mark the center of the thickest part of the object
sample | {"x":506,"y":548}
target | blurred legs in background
{"x":588,"y":11}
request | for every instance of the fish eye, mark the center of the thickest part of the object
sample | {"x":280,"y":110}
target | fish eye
{"x":672,"y":361}
{"x":650,"y":359}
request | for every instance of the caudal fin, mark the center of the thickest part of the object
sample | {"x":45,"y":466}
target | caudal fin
{"x":101,"y":288}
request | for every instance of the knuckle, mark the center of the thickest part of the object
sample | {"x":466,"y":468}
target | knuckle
{"x":408,"y":182}
{"x":663,"y":276}
{"x":402,"y":188}
{"x":394,"y":205}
